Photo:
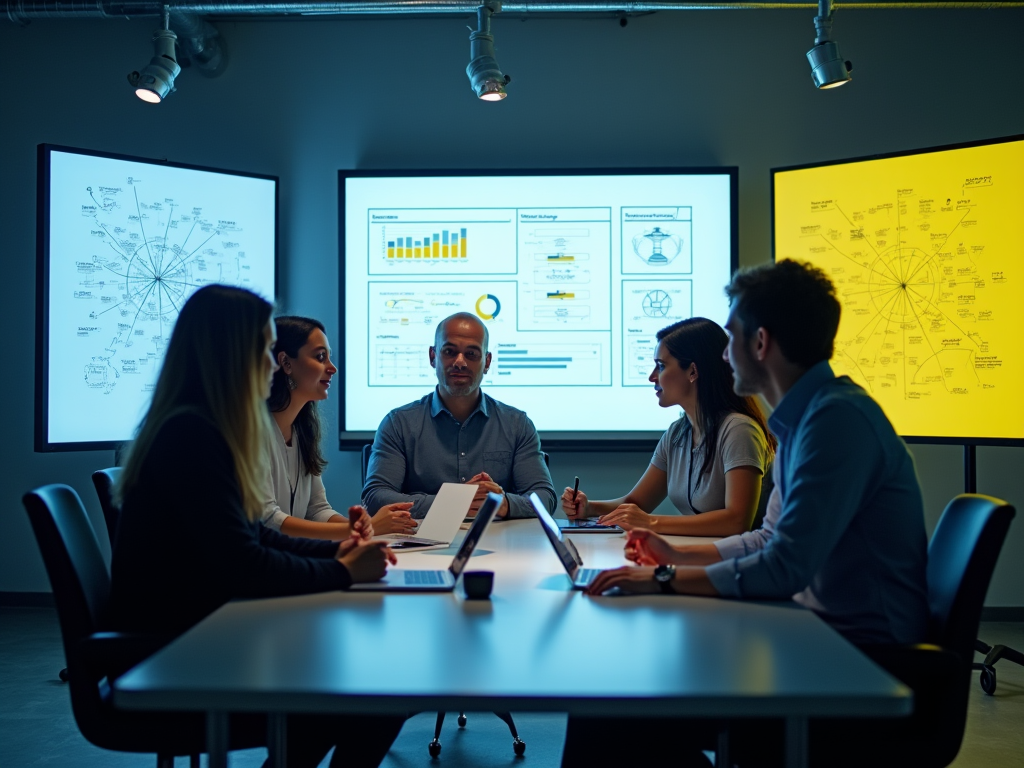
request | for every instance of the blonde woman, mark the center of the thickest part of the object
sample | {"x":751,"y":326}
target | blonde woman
{"x":191,"y":495}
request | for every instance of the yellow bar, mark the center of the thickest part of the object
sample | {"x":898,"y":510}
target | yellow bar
{"x":419,"y":252}
{"x":462,"y":246}
{"x":391,"y":253}
{"x":444,"y":251}
{"x":437,"y":249}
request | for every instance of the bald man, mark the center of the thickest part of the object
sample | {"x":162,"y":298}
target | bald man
{"x":458,"y":434}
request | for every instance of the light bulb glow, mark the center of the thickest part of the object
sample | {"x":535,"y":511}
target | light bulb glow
{"x":147,"y":95}
{"x":493,"y":95}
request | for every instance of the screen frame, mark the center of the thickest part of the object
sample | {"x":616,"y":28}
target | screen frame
{"x":912,"y":439}
{"x":598,"y":441}
{"x":42,"y":367}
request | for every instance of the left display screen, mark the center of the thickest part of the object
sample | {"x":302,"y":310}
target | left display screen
{"x":123,"y":243}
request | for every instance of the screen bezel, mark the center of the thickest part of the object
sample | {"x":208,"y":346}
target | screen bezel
{"x":42,"y":372}
{"x":597,"y":441}
{"x":918,"y":439}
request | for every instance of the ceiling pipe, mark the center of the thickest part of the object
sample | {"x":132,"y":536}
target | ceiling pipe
{"x":21,"y":11}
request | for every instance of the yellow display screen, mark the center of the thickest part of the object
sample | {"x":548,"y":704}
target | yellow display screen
{"x":926,"y":251}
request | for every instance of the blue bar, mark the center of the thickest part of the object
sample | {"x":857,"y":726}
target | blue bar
{"x":444,"y":236}
{"x":514,"y":367}
{"x":542,"y":360}
{"x":512,"y":352}
{"x":391,"y":243}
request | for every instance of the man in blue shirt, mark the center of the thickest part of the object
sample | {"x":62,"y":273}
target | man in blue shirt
{"x":849,"y":540}
{"x":457,"y":434}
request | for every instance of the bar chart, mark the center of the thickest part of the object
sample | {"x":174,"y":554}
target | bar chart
{"x":433,"y":245}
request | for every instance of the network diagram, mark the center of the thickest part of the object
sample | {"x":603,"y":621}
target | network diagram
{"x":138,"y":256}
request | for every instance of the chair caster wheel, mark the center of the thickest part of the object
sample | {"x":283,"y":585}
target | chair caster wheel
{"x":63,"y":675}
{"x":519,"y":747}
{"x":462,"y":720}
{"x":434,"y":748}
{"x":988,"y":680}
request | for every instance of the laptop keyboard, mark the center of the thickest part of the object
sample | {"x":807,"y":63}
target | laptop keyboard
{"x":425,"y":577}
{"x":586,"y":575}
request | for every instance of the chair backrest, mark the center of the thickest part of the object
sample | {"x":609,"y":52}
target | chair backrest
{"x":103,"y":480}
{"x":366,"y":460}
{"x":73,"y":559}
{"x":962,"y":555}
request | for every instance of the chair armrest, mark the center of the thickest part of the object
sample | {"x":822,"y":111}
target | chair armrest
{"x":928,"y":670}
{"x":111,"y":654}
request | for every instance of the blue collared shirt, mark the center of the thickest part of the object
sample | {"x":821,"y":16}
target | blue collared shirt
{"x":849,"y":541}
{"x":420,"y":446}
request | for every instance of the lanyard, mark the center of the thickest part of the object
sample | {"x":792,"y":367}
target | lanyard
{"x":689,"y":479}
{"x":295,"y":487}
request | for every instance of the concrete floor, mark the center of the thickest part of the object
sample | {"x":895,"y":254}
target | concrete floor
{"x":37,"y":728}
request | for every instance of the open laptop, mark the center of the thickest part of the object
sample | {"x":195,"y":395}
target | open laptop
{"x":441,"y":523}
{"x":408,"y":580}
{"x":564,"y":548}
{"x":586,"y":525}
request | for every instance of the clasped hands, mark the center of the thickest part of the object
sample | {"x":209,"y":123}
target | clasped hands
{"x":484,"y":485}
{"x":365,"y":559}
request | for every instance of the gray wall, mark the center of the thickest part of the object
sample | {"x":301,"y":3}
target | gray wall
{"x":302,"y":99}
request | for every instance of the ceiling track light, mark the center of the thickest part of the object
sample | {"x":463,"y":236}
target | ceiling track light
{"x":828,"y":69}
{"x":485,"y":77}
{"x":156,"y":81}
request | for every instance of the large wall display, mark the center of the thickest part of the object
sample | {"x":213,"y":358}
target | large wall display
{"x":123,"y":242}
{"x":926,"y":250}
{"x":572,"y":272}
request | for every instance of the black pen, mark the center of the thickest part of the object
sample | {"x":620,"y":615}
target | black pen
{"x":575,"y":488}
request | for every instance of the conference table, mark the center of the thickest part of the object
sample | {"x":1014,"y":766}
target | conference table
{"x":535,"y":645}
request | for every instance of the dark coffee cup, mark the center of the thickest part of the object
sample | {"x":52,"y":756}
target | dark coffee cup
{"x":478,"y":584}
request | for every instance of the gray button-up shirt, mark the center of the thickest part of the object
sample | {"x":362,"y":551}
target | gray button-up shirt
{"x":846,"y":535}
{"x":420,"y":446}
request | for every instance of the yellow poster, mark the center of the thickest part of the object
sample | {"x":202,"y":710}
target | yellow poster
{"x":927,"y":255}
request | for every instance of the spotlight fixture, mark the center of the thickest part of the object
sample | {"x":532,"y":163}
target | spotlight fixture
{"x":156,"y":81}
{"x":828,"y":69}
{"x":485,"y":77}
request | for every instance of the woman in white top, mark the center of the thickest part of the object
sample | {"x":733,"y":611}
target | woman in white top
{"x":296,"y":503}
{"x":711,"y":461}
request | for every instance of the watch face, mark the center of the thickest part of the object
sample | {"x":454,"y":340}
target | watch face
{"x":664,"y":573}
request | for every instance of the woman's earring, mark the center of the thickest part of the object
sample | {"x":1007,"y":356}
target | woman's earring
{"x":291,"y":383}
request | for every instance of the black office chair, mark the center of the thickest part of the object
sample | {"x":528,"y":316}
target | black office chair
{"x":81,"y":590}
{"x":434,"y":748}
{"x":103,"y":480}
{"x":962,"y":555}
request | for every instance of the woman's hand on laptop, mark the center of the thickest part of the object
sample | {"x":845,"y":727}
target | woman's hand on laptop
{"x":365,"y":561}
{"x":360,"y":523}
{"x":574,"y":510}
{"x":394,"y":518}
{"x":645,"y":547}
{"x":627,"y":516}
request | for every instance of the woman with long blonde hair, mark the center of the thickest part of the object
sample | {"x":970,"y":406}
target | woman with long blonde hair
{"x":189,"y":537}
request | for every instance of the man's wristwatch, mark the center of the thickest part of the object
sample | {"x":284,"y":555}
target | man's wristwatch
{"x":664,"y":574}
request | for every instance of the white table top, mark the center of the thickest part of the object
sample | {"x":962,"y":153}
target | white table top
{"x":535,"y":645}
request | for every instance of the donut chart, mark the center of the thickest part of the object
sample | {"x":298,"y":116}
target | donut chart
{"x":481,"y":303}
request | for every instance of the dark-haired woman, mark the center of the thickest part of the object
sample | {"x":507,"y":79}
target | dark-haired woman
{"x":711,"y":461}
{"x":296,"y":501}
{"x":198,"y":452}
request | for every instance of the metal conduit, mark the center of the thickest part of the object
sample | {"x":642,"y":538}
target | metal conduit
{"x":23,"y":10}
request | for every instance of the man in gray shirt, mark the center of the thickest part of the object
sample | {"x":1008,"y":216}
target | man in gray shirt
{"x":457,"y":434}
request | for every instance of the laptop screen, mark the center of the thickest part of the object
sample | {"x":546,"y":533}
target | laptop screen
{"x":554,"y":533}
{"x":476,"y":530}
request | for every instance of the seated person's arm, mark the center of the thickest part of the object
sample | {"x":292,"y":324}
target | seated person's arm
{"x":385,"y":475}
{"x":742,"y":492}
{"x":647,"y":494}
{"x":529,"y":475}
